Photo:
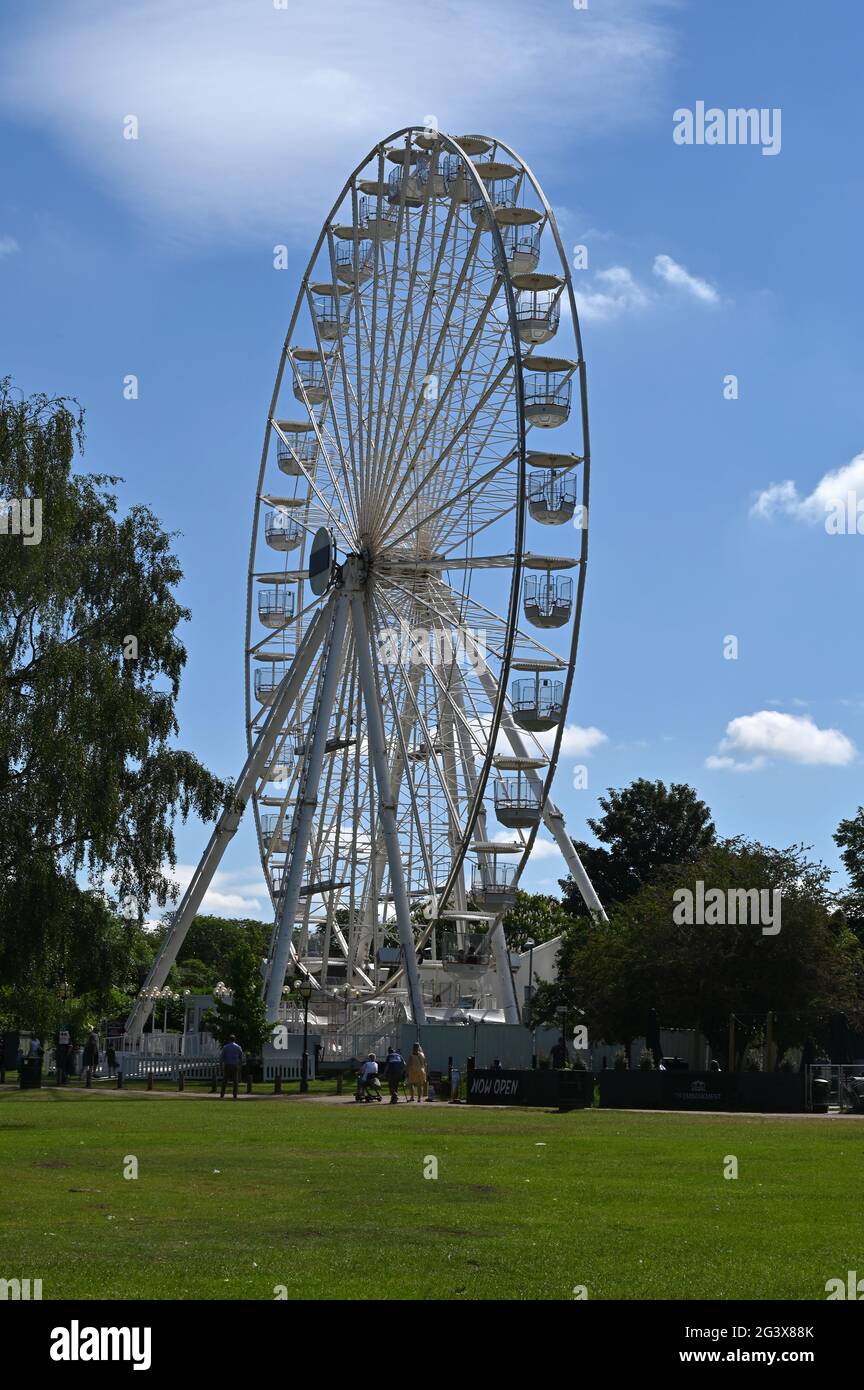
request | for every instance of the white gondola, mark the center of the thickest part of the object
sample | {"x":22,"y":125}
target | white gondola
{"x":278,"y":768}
{"x":268,"y":679}
{"x":311,"y":381}
{"x":430,"y":174}
{"x":464,"y":952}
{"x":275,"y":606}
{"x":276,"y":834}
{"x":408,"y":184}
{"x":551,"y":498}
{"x":377,"y":217}
{"x":517,"y":802}
{"x":281,"y":531}
{"x":289,"y":458}
{"x":355,"y":262}
{"x":457,"y":180}
{"x":538,"y":313}
{"x":547,"y":600}
{"x":538,"y":702}
{"x":521,"y":249}
{"x":548,"y":391}
{"x":493,"y":885}
{"x":330,"y":312}
{"x":502,"y":194}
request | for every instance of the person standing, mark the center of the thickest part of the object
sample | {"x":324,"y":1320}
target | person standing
{"x":455,"y":1083}
{"x":62,"y":1055}
{"x":90,"y":1058}
{"x":394,"y":1068}
{"x":232,"y":1061}
{"x":417,"y":1073}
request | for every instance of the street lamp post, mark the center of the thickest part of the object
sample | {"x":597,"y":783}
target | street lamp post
{"x":304,"y":990}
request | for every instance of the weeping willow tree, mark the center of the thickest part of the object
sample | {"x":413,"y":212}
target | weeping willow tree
{"x":91,"y":779}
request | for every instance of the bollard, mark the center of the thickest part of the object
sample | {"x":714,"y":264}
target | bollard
{"x":277,"y":1086}
{"x":89,"y":1082}
{"x":213,"y":1083}
{"x":149,"y":1081}
{"x":180,"y":1081}
{"x":248,"y":1085}
{"x":339,"y":1083}
{"x":119,"y":1081}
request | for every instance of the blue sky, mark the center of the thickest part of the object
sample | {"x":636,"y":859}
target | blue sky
{"x":155,"y":257}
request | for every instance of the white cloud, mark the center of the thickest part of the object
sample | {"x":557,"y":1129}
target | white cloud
{"x":250,"y":116}
{"x":238,"y":893}
{"x":718,"y":764}
{"x":752,"y":739}
{"x":610,"y":293}
{"x":830,"y":493}
{"x":680,"y":279}
{"x":577,"y":741}
{"x":544,"y":849}
{"x":615,"y":291}
{"x":8,"y":246}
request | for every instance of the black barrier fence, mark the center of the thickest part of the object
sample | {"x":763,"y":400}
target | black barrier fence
{"x":766,"y":1092}
{"x":777,"y":1092}
{"x":564,"y":1089}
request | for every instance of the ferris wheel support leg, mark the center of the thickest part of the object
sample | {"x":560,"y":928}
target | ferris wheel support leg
{"x":387,"y":807}
{"x":501,"y":955}
{"x":228,"y":822}
{"x":301,"y":827}
{"x":553,"y":819}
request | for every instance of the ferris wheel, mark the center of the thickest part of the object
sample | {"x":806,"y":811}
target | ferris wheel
{"x":416,"y":575}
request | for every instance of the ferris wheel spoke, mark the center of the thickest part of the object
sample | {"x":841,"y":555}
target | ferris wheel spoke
{"x":440,"y":460}
{"x":443,"y":397}
{"x":420,"y":656}
{"x":407,"y":321}
{"x":466,"y":491}
{"x":351,"y":511}
{"x":392,"y":460}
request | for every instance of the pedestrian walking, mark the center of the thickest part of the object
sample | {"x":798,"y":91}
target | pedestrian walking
{"x":232,"y":1061}
{"x":417,"y":1073}
{"x":394,"y":1070}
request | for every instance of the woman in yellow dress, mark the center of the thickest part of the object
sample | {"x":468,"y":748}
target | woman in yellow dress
{"x":417,"y":1080}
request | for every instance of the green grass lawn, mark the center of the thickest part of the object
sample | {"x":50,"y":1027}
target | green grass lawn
{"x":331,"y":1202}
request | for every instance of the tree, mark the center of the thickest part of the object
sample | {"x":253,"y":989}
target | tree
{"x":646,"y":826}
{"x":534,"y":916}
{"x":245,"y":1018}
{"x":210,"y":942}
{"x":697,"y":974}
{"x":90,"y":779}
{"x":849,"y":838}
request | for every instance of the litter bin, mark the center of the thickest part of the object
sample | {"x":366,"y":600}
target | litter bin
{"x":821,"y":1090}
{"x":30,"y":1078}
